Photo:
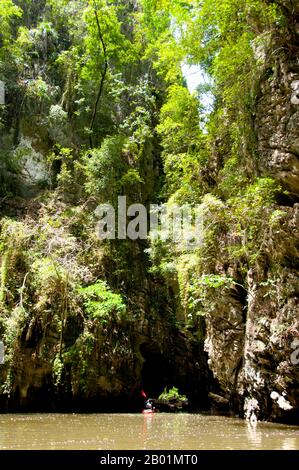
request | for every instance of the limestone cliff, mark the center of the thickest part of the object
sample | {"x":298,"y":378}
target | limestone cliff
{"x":252,"y":337}
{"x":87,"y":323}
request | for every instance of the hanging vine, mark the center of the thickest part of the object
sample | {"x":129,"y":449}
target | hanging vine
{"x":103,"y":77}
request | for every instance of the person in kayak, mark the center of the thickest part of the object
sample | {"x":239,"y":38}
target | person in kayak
{"x":149,"y":405}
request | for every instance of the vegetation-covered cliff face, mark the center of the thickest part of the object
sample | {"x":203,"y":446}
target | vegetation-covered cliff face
{"x":96,"y":107}
{"x":84,"y":322}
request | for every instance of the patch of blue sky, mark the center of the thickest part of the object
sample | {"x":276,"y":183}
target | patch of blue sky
{"x":198,"y":82}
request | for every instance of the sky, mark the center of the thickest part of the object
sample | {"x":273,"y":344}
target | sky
{"x":195,"y":76}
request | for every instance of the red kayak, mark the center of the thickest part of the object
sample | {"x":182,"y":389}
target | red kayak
{"x":148,"y":412}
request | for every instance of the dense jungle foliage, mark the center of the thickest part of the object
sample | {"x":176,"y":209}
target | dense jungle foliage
{"x":96,"y":107}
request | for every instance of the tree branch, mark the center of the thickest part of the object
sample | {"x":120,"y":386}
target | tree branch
{"x":103,"y":77}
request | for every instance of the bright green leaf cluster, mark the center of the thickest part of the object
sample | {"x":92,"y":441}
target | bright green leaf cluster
{"x":100,"y":302}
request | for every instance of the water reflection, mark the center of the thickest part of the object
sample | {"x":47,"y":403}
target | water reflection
{"x":129,"y":431}
{"x":254,"y":434}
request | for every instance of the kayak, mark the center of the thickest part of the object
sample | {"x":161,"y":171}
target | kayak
{"x":148,"y":412}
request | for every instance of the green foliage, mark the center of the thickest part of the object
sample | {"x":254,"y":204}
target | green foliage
{"x":159,"y":22}
{"x":203,"y":291}
{"x":172,"y":394}
{"x":101,"y":303}
{"x":131,"y":179}
{"x":142,"y":110}
{"x":251,"y":213}
{"x":256,"y":197}
{"x":8,"y":11}
{"x":69,"y":171}
{"x":57,"y":116}
{"x":79,"y":357}
{"x":14,"y":239}
{"x":13,"y":328}
{"x":179,"y":117}
{"x":104,"y":169}
{"x":4,"y":274}
{"x":150,"y":143}
{"x":239,"y":226}
{"x":118,"y":47}
{"x":57,"y":370}
{"x":181,"y":139}
{"x":215,"y":281}
{"x":38,"y":89}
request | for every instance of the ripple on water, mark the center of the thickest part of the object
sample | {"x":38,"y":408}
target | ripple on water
{"x":136,"y":431}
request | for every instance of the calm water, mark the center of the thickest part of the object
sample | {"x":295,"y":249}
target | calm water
{"x":131,"y":431}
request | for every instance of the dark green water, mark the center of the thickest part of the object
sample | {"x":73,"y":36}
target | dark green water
{"x":133,"y":431}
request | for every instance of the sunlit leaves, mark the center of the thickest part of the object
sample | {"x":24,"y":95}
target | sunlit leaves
{"x":104,"y":168}
{"x":179,"y":118}
{"x":101,"y":303}
{"x":182,"y":141}
{"x":118,"y":48}
{"x":7,"y":12}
